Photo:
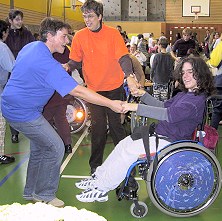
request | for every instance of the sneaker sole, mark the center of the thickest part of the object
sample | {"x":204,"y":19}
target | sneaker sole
{"x":84,"y":200}
{"x":82,"y":187}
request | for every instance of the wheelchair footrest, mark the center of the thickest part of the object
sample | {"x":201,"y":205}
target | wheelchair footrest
{"x":128,"y":191}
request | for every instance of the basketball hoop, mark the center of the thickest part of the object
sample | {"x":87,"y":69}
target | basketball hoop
{"x":195,"y":10}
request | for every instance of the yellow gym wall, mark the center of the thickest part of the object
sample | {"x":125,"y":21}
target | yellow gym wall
{"x":35,"y":11}
{"x":39,"y":6}
{"x":138,"y":27}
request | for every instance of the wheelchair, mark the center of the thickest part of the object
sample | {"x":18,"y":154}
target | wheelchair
{"x":77,"y":114}
{"x":183,"y":179}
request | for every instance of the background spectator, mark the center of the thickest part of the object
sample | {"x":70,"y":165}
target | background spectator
{"x":7,"y":61}
{"x":18,"y":37}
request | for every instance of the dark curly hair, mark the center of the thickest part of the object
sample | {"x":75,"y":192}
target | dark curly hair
{"x":3,"y":28}
{"x":92,"y":5}
{"x":201,"y":73}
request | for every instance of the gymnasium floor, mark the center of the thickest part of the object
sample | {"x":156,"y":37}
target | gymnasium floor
{"x":12,"y":180}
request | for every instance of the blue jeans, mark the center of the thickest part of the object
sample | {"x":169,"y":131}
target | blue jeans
{"x":46,"y":154}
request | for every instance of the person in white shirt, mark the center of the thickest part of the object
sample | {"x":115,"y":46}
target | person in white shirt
{"x":138,"y":54}
{"x":7,"y":61}
{"x":217,"y":41}
{"x":150,"y":40}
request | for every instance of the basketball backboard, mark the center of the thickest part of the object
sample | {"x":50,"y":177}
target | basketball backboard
{"x":190,"y":7}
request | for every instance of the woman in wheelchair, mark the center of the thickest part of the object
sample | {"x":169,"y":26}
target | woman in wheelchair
{"x":177,"y":119}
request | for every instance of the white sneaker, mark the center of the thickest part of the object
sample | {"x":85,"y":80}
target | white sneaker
{"x":92,"y":195}
{"x":86,"y":183}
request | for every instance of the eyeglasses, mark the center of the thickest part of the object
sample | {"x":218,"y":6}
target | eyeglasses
{"x":89,"y":16}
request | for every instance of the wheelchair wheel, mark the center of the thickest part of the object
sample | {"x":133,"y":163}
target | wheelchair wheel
{"x":185,"y":181}
{"x":76,"y":114}
{"x":140,"y":211}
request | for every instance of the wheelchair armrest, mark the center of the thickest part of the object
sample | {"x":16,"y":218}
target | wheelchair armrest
{"x":142,"y":156}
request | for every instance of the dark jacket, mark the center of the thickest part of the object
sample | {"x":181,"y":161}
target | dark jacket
{"x":18,"y":38}
{"x":162,"y":68}
{"x":181,"y":47}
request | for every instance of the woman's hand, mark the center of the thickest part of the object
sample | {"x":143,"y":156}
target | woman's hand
{"x":116,"y":106}
{"x":129,"y":107}
{"x":138,"y":92}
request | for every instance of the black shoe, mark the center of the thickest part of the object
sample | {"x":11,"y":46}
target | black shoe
{"x":93,"y":170}
{"x":68,"y":149}
{"x":6,"y":159}
{"x":15,"y":139}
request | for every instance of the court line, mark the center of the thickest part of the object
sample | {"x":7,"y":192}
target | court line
{"x":68,"y":158}
{"x":25,"y":158}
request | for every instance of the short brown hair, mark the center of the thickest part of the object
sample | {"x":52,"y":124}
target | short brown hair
{"x":51,"y":25}
{"x":163,"y":42}
{"x":186,"y":31}
{"x":92,"y":5}
{"x":13,"y":13}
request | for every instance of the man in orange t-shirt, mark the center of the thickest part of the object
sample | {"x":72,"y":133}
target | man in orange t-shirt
{"x":105,"y":63}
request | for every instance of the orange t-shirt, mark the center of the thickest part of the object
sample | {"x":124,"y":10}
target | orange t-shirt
{"x":100,"y":53}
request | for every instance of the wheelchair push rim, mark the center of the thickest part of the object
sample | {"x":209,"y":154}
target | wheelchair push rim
{"x":76,"y":114}
{"x":185,"y":181}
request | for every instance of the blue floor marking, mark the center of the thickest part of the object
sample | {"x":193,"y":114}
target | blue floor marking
{"x":14,"y":170}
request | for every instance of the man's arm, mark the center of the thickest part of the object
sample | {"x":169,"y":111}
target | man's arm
{"x":153,"y":67}
{"x":127,"y":67}
{"x":173,"y":54}
{"x":173,"y":51}
{"x":94,"y":98}
{"x":138,"y":70}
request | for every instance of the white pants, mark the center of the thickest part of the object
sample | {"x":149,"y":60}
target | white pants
{"x":113,"y":171}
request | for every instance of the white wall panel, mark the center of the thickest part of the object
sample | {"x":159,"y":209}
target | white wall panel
{"x":137,"y":10}
{"x":112,"y":10}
